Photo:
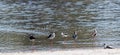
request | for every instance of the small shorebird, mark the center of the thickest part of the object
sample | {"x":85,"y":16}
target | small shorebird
{"x":64,"y":35}
{"x":75,"y":35}
{"x":51,"y":36}
{"x":32,"y":38}
{"x":94,"y":33}
{"x":107,"y":47}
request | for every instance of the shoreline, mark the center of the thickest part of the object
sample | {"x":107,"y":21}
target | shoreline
{"x":69,"y":52}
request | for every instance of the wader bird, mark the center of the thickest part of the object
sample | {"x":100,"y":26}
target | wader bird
{"x":107,"y":47}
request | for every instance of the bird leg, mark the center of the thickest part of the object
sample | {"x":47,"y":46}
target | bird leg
{"x":33,"y":48}
{"x":51,"y":43}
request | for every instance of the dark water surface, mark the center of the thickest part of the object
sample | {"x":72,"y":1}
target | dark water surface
{"x":40,"y":17}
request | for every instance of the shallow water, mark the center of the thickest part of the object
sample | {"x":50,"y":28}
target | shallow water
{"x":20,"y":18}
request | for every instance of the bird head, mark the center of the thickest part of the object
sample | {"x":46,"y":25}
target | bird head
{"x":75,"y":32}
{"x":104,"y":44}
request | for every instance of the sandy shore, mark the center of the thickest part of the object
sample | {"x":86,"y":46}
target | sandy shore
{"x":70,"y":52}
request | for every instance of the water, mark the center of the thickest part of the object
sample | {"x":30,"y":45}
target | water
{"x":20,"y":18}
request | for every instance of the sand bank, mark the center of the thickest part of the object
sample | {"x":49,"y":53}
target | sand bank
{"x":70,"y":52}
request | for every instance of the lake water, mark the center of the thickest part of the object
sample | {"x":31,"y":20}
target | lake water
{"x":41,"y":17}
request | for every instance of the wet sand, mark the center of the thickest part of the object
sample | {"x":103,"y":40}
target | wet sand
{"x":69,"y":52}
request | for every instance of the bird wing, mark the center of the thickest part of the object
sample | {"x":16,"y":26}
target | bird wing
{"x":49,"y":36}
{"x":31,"y":37}
{"x":110,"y":47}
{"x":74,"y":36}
